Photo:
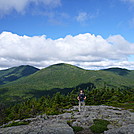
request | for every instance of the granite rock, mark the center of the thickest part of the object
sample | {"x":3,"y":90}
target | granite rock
{"x":121,"y":121}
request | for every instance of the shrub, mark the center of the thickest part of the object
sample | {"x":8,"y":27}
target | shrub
{"x":77,"y":128}
{"x":99,"y":126}
{"x":101,"y":122}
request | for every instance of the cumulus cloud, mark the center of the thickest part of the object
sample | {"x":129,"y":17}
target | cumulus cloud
{"x":6,"y":6}
{"x":84,"y":50}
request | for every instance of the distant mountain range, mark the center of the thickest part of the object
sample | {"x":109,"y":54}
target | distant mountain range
{"x":15,"y":73}
{"x":23,"y":82}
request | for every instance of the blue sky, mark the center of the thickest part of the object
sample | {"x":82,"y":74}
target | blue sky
{"x":92,"y":34}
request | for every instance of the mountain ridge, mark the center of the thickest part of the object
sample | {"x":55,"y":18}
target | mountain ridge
{"x":117,"y":70}
{"x":14,"y":73}
{"x":64,"y":78}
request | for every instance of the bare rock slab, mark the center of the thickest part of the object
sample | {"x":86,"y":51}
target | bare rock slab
{"x":40,"y":127}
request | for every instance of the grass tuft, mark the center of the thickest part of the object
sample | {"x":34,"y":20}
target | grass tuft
{"x":17,"y":124}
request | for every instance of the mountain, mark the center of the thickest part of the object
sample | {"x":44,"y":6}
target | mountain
{"x":15,"y":73}
{"x":63,"y":78}
{"x":119,"y":71}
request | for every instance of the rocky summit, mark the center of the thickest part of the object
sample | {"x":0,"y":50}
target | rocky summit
{"x":121,"y":122}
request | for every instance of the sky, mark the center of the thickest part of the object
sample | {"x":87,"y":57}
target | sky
{"x":92,"y":34}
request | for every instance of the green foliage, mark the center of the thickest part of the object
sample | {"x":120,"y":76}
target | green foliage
{"x":77,"y":128}
{"x":64,"y":78}
{"x":127,"y":105}
{"x":32,"y":107}
{"x":109,"y":96}
{"x":119,"y":71}
{"x":99,"y":126}
{"x":17,"y":123}
{"x":102,"y":122}
{"x":58,"y":102}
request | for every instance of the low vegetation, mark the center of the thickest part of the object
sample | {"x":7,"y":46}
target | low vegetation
{"x":17,"y":123}
{"x":99,"y":126}
{"x":77,"y":128}
{"x":58,"y":102}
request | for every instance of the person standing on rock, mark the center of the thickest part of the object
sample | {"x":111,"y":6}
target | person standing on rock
{"x":81,"y":97}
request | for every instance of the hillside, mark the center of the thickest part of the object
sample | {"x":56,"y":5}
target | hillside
{"x":63,"y":78}
{"x":119,"y":71}
{"x":15,"y":73}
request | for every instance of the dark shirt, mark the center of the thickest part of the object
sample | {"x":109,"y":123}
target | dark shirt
{"x":81,"y":97}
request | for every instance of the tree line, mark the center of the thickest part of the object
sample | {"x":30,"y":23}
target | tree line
{"x":58,"y":102}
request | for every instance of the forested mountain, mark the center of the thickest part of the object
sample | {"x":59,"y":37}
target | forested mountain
{"x":55,"y":88}
{"x":64,"y":78}
{"x":15,"y":73}
{"x":119,"y":71}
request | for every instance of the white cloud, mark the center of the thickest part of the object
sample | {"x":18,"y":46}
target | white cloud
{"x":82,"y":17}
{"x":85,"y":50}
{"x":6,"y":6}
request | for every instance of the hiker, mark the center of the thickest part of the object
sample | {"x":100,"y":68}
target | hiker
{"x":81,"y":97}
